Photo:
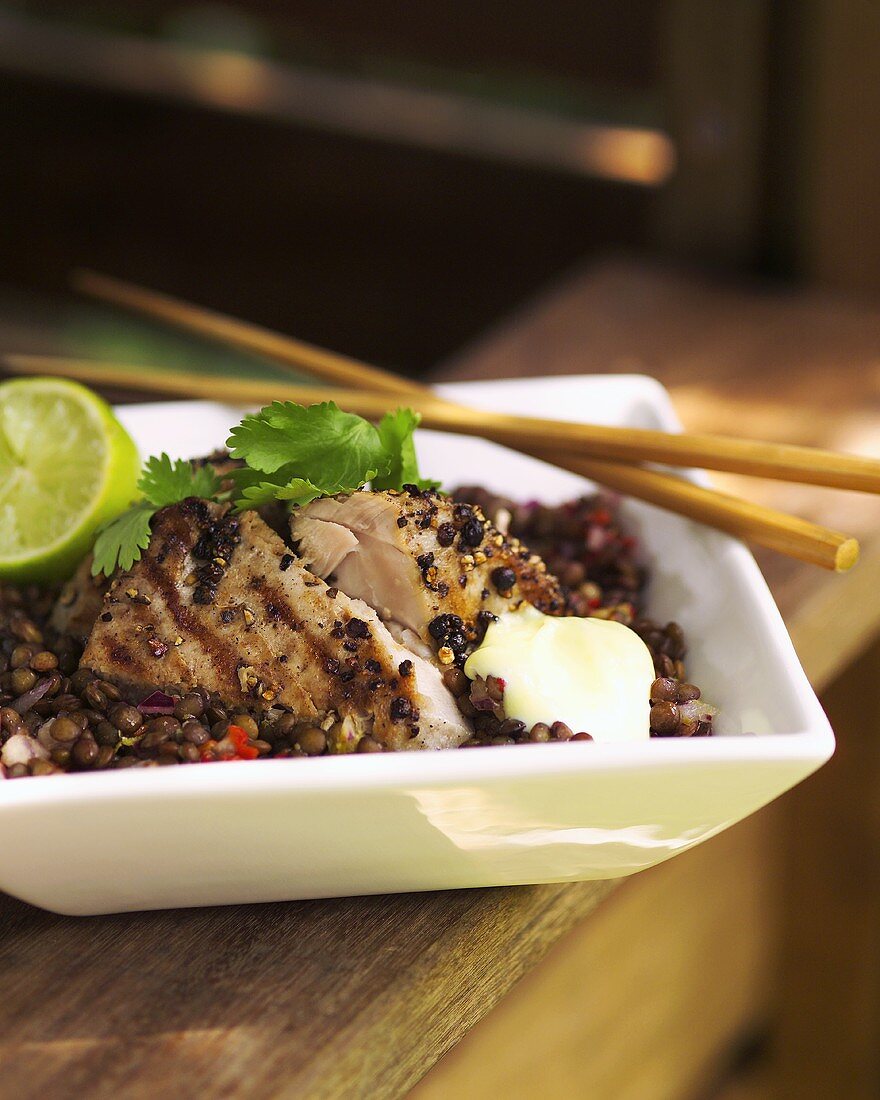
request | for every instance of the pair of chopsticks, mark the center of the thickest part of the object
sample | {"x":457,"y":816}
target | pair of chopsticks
{"x":582,"y":448}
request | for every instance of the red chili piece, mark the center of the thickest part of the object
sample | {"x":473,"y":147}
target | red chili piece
{"x":244,"y":750}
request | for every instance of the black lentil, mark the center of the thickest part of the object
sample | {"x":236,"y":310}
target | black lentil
{"x":247,"y":723}
{"x":664,"y":718}
{"x":312,"y":741}
{"x":85,"y":751}
{"x":21,"y":680}
{"x":64,"y":730}
{"x":85,"y":724}
{"x":44,"y":661}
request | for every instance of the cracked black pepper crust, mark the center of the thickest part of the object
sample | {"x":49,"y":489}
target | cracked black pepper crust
{"x":459,"y":541}
{"x":468,"y":571}
{"x":268,"y":636}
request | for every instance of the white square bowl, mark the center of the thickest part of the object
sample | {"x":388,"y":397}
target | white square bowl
{"x":307,"y":828}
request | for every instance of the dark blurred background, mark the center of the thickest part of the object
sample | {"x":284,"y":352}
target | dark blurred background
{"x":388,"y":179}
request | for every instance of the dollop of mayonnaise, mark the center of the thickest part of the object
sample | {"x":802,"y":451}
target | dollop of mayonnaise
{"x":593,"y":674}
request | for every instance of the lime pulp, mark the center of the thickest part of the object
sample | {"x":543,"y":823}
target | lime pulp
{"x":66,"y":466}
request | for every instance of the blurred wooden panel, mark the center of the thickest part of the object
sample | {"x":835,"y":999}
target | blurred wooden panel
{"x":828,"y":1038}
{"x":839,"y":228}
{"x":715,"y":90}
{"x":572,"y":40}
{"x":392,"y":255}
{"x":642,"y":1001}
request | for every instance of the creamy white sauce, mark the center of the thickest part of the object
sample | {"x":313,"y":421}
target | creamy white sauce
{"x":593,"y":674}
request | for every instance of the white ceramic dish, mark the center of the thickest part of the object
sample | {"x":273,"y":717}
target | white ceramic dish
{"x":273,"y":830}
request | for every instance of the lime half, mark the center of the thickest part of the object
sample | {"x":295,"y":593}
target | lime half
{"x":66,"y":466}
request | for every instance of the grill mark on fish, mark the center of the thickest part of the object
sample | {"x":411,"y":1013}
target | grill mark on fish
{"x":276,"y":598}
{"x":120,"y":654}
{"x":277,"y":607}
{"x":316,"y":655}
{"x":224,"y":657}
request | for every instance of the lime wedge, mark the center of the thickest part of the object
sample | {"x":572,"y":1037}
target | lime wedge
{"x":66,"y":466}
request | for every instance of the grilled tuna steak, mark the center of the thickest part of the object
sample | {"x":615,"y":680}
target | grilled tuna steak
{"x":79,"y":602}
{"x":81,"y":598}
{"x":218,"y":602}
{"x":423,"y":562}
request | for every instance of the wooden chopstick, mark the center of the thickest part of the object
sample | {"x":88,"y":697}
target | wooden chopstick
{"x":712,"y":452}
{"x":242,"y":334}
{"x":768,"y":527}
{"x":787,"y":534}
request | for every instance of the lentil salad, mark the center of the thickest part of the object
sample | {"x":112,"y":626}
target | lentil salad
{"x":56,"y":716}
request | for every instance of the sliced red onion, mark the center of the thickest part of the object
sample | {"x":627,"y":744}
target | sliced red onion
{"x":483,"y":702}
{"x":157,"y":702}
{"x":26,"y":701}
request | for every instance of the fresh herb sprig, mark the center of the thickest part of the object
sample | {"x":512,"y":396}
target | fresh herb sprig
{"x":291,"y":453}
{"x":296,"y":454}
{"x":396,"y":432}
{"x":121,"y":541}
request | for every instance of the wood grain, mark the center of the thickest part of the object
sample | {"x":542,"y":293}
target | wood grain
{"x":625,"y":1006}
{"x":828,"y":1041}
{"x":354,"y":997}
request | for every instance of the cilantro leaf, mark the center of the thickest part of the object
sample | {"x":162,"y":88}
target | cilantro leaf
{"x":321,"y":443}
{"x":253,"y":489}
{"x":301,"y":491}
{"x":291,"y":452}
{"x":120,"y":542}
{"x":396,"y":432}
{"x":256,"y":494}
{"x":163,"y":482}
{"x":253,"y":485}
{"x":298,"y":491}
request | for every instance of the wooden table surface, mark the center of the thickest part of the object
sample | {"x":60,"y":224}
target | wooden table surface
{"x":360,"y":997}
